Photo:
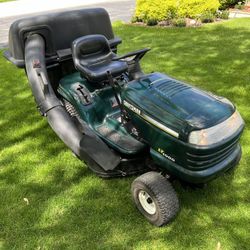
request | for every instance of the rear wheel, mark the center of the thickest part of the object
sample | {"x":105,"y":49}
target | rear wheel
{"x":155,"y":198}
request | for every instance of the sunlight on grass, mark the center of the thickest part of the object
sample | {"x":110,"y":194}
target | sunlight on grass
{"x":71,"y":208}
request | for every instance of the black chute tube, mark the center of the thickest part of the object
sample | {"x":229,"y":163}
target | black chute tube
{"x":87,"y":146}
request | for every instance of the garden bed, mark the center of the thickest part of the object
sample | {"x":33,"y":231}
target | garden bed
{"x":186,"y":13}
{"x":184,"y":22}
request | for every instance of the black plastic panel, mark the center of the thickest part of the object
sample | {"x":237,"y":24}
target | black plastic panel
{"x":58,"y":30}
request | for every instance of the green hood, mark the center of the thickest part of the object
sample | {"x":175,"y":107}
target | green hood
{"x":176,"y":104}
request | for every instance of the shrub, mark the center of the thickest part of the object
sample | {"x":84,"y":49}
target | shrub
{"x":168,"y":9}
{"x":151,"y":22}
{"x":207,"y":17}
{"x":179,"y":22}
{"x":171,"y":14}
{"x":156,"y":10}
{"x":194,"y":8}
{"x":224,"y":14}
{"x":135,"y":19}
{"x":239,"y":6}
{"x":225,"y":4}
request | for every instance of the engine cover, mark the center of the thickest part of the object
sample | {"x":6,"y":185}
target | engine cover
{"x":173,"y":106}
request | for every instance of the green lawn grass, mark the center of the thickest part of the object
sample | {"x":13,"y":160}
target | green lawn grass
{"x":1,"y":1}
{"x":71,"y":208}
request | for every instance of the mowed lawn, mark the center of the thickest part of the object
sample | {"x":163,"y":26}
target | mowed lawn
{"x":1,"y":1}
{"x":50,"y":200}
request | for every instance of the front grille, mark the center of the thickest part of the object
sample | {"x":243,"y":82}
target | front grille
{"x":201,"y":160}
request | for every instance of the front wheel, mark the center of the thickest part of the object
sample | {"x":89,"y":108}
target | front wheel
{"x":155,"y":198}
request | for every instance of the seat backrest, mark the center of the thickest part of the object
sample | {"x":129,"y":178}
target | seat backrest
{"x":93,"y":58}
{"x":90,"y":49}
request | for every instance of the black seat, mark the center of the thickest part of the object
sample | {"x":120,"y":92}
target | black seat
{"x":92,"y":56}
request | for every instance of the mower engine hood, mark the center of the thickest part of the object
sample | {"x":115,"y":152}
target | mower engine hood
{"x":176,"y":104}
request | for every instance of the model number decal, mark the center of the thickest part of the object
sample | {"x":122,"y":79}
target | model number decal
{"x":131,"y":107}
{"x":161,"y":151}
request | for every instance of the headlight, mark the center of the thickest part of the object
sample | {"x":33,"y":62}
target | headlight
{"x":217,"y":133}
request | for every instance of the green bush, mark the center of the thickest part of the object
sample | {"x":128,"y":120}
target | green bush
{"x":224,"y":14}
{"x":225,"y":4}
{"x":157,"y":9}
{"x":207,"y":17}
{"x":151,"y":22}
{"x":134,"y":19}
{"x":171,"y":14}
{"x":168,"y":9}
{"x":179,"y":22}
{"x":239,"y":6}
{"x":194,"y":8}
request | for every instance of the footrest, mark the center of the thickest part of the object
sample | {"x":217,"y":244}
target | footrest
{"x":124,"y":142}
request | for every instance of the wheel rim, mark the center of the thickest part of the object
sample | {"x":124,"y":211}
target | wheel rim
{"x":147,"y":202}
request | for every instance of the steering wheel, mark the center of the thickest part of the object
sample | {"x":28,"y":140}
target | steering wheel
{"x":136,"y":55}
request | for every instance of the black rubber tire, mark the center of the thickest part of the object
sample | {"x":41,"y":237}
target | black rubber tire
{"x":161,"y":192}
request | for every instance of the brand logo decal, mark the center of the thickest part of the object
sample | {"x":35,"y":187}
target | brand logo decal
{"x":150,"y":120}
{"x":161,"y":151}
{"x":132,"y":107}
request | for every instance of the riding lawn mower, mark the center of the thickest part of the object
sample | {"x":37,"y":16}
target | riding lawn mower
{"x":117,"y":119}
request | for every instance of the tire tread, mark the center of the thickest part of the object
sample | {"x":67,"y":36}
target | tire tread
{"x":164,"y":194}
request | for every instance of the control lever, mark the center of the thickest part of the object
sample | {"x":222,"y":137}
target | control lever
{"x":112,"y":84}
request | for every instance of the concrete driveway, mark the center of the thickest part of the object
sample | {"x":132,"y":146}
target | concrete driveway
{"x":11,"y":11}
